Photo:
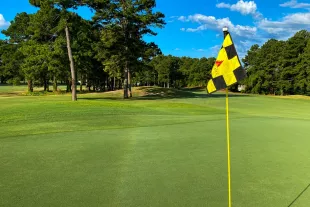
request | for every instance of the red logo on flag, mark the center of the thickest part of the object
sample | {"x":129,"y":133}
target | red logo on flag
{"x":218,"y":63}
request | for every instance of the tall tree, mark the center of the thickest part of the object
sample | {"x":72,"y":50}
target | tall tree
{"x":294,"y":47}
{"x":35,"y":66}
{"x":131,"y":19}
{"x":43,"y":28}
{"x":18,"y":33}
{"x":278,"y":67}
{"x":65,"y":5}
{"x":302,"y":79}
{"x":10,"y":63}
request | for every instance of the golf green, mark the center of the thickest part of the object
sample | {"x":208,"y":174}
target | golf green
{"x":153,"y":151}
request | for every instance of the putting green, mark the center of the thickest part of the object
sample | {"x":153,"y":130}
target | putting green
{"x":153,"y":151}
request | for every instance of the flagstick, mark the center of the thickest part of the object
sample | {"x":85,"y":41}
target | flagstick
{"x":228,"y":148}
{"x":225,"y":31}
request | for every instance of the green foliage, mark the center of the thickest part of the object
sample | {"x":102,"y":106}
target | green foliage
{"x":61,"y":3}
{"x":110,"y":50}
{"x":123,"y":24}
{"x":279,"y":67}
{"x":10,"y":62}
{"x":35,"y":65}
{"x":14,"y":81}
{"x":18,"y":31}
{"x":181,"y":72}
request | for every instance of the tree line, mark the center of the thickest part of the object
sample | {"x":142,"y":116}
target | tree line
{"x":56,"y":45}
{"x":279,"y":67}
{"x":105,"y":53}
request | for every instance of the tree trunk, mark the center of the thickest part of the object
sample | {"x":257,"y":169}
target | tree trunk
{"x":168,"y":85}
{"x":81,"y":84}
{"x":105,"y":84}
{"x":129,"y":83}
{"x":46,"y":85}
{"x":126,"y":81}
{"x":68,"y":86}
{"x":126,"y":34}
{"x":114,"y":83}
{"x":55,"y":84}
{"x":73,"y":82}
{"x":30,"y":87}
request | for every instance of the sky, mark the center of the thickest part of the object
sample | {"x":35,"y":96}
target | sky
{"x":194,"y":27}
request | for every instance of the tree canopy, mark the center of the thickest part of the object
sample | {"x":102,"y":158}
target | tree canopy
{"x":279,"y":67}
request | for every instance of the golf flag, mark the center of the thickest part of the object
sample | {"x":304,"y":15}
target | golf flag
{"x":227,"y":69}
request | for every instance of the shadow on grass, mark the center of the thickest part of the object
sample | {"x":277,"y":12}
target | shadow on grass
{"x":9,"y":94}
{"x":156,"y":93}
{"x":300,"y":194}
{"x":44,"y":93}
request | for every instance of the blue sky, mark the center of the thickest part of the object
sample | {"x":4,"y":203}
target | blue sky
{"x":194,"y":27}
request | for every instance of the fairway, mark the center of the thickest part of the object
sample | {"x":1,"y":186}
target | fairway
{"x":163,"y":148}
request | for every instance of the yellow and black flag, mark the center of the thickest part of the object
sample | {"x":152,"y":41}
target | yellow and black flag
{"x":227,"y":69}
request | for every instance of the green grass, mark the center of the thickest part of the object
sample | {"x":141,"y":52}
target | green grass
{"x":154,"y":150}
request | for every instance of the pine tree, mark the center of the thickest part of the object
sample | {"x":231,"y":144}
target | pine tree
{"x":128,"y":21}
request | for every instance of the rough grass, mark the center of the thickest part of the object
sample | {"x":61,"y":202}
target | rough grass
{"x":21,"y":90}
{"x":164,"y":147}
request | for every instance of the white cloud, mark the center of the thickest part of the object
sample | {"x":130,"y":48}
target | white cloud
{"x":210,"y":22}
{"x":177,"y":49}
{"x":223,"y":5}
{"x":259,"y":32}
{"x":172,"y":19}
{"x":182,"y":18}
{"x":3,"y":23}
{"x":295,"y":5}
{"x":264,"y":29}
{"x":245,"y":33}
{"x":244,"y":7}
{"x":200,"y":28}
{"x":287,"y":26}
{"x":246,"y":43}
